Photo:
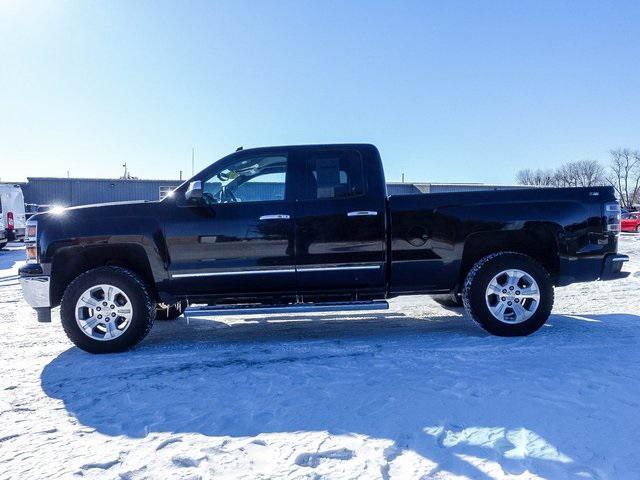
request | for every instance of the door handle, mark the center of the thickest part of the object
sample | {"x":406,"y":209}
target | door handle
{"x":275,"y":217}
{"x":362,"y":213}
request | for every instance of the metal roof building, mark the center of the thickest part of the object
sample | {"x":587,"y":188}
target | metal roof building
{"x":84,"y":191}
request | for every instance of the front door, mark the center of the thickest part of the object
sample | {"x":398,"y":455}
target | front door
{"x":239,"y":239}
{"x":340,"y":224}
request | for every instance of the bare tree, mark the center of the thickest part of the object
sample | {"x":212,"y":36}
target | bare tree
{"x":538,"y":178}
{"x":625,"y":175}
{"x":583,"y":173}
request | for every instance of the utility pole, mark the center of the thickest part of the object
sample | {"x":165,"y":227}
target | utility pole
{"x":193,"y":156}
{"x":402,"y":177}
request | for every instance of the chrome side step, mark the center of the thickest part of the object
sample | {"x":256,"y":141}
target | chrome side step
{"x":208,"y":311}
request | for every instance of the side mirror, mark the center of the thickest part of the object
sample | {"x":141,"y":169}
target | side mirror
{"x":194,"y":192}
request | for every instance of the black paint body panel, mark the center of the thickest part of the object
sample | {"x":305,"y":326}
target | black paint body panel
{"x":413,"y":243}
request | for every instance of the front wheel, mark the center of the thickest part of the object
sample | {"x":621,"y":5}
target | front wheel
{"x":508,"y":294}
{"x":107,"y":309}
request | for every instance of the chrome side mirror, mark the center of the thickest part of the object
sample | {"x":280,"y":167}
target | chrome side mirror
{"x":194,"y":192}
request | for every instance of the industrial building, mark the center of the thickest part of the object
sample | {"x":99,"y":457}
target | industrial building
{"x":84,"y":191}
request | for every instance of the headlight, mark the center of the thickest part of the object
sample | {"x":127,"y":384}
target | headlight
{"x":31,"y":242}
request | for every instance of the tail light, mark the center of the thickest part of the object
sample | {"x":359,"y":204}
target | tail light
{"x":612,"y":216}
{"x":10,"y":223}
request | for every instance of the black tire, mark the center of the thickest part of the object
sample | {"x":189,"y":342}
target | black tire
{"x":2,"y":245}
{"x":144,"y":309}
{"x":475,"y":298}
{"x":171,"y":313}
{"x":638,"y":229}
{"x":449,"y":300}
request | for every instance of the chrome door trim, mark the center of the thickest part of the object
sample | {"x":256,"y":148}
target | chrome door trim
{"x":362,"y":213}
{"x":281,"y":270}
{"x":234,"y":272}
{"x":332,"y":269}
{"x":277,"y":216}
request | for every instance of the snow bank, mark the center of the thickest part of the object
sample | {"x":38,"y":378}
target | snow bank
{"x":418,"y":391}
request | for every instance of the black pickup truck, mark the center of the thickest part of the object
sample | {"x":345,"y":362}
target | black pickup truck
{"x":311,"y":228}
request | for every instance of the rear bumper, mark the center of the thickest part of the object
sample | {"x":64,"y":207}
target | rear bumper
{"x":612,"y":267}
{"x":35,"y":286}
{"x":589,"y":269}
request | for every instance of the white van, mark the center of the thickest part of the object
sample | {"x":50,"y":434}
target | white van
{"x":12,"y":210}
{"x":3,"y":234}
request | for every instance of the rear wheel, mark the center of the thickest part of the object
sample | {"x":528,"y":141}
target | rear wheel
{"x":508,"y":294}
{"x":638,"y":229}
{"x":108,"y":309}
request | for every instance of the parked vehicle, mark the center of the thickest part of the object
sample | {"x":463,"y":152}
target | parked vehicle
{"x":319,"y":234}
{"x":12,"y":208}
{"x":3,"y":235}
{"x":631,"y":222}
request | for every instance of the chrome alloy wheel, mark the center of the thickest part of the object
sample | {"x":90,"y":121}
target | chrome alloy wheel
{"x":104,"y":312}
{"x":512,"y":296}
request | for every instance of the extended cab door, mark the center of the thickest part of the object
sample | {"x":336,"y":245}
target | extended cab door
{"x":340,"y":221}
{"x":238,"y":241}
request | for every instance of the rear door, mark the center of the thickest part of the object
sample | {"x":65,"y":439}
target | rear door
{"x":340,"y":222}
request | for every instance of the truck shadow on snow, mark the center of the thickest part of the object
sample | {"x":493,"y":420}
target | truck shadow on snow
{"x":437,"y":386}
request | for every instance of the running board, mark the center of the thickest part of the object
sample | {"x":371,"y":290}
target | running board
{"x":288,"y":308}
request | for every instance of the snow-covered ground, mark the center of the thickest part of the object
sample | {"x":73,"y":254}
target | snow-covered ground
{"x":418,"y":391}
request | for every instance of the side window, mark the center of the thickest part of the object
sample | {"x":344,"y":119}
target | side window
{"x":334,"y":174}
{"x":254,"y":179}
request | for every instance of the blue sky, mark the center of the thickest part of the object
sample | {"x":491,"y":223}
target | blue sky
{"x":448,"y":91}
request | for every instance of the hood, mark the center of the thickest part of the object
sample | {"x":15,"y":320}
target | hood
{"x":99,"y":211}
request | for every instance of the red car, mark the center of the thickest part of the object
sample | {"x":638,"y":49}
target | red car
{"x":630,"y":222}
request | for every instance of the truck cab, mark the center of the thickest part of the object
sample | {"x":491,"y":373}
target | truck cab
{"x":281,"y":223}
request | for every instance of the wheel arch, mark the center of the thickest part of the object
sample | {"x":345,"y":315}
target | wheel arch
{"x":71,"y":261}
{"x":538,"y":241}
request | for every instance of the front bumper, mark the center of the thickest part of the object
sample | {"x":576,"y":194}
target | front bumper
{"x":35,"y":285}
{"x":36,"y":291}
